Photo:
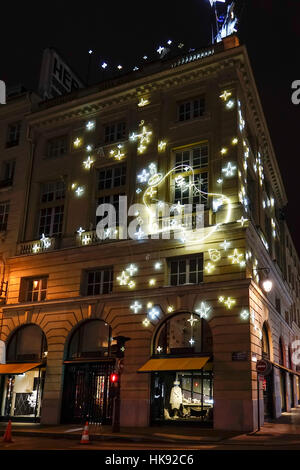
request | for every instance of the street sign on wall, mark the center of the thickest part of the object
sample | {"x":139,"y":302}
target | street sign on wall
{"x":263,"y":367}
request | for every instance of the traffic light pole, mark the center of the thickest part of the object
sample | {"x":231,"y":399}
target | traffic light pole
{"x":116,"y":407}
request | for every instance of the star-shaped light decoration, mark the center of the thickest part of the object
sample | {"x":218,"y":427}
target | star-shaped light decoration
{"x":131,"y":284}
{"x":170,"y":309}
{"x":152,"y":282}
{"x":77,"y":142}
{"x":154,"y":313}
{"x":225,"y":95}
{"x":236,"y":257}
{"x":224,"y":150}
{"x":225,"y":245}
{"x":157,"y":265}
{"x":143,"y":176}
{"x":45,"y":241}
{"x":88,"y":163}
{"x":203,"y":311}
{"x":132,"y":269}
{"x":143,"y":102}
{"x":244,"y":314}
{"x":89,"y":148}
{"x":136,"y":307}
{"x":146,"y":322}
{"x":139,"y":234}
{"x":160,"y":49}
{"x":162,"y":145}
{"x":79,"y":191}
{"x":90,"y":125}
{"x":229,"y":170}
{"x":229,"y":302}
{"x":36,"y":248}
{"x":209,"y":267}
{"x":86,"y":240}
{"x":159,"y":349}
{"x":152,"y":191}
{"x":192,"y":341}
{"x":80,"y":231}
{"x":234,"y":141}
{"x":242,"y":221}
{"x":230,"y":104}
{"x":123,"y":279}
{"x":220,"y":180}
{"x":192,"y":319}
{"x":117,"y":154}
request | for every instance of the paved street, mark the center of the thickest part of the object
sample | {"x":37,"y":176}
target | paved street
{"x":284,"y":434}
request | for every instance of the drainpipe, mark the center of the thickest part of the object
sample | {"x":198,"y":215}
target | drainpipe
{"x":28,"y":185}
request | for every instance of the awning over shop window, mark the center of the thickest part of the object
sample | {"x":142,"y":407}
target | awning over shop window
{"x":15,"y":369}
{"x":174,"y":363}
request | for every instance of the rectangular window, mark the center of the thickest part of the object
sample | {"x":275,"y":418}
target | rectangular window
{"x":33,"y":289}
{"x":186,"y":270}
{"x":51,"y":220}
{"x":187,"y":192}
{"x":7,"y":174}
{"x":191,"y":109}
{"x":13,"y":134}
{"x":114,"y":132}
{"x":112,"y":177}
{"x":57,"y":147}
{"x":196,"y":157}
{"x":53,"y":191}
{"x":4,"y":210}
{"x":99,"y":281}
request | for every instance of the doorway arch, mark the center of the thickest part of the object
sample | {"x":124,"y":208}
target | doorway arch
{"x":88,"y":365}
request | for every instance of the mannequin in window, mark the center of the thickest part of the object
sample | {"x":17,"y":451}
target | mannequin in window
{"x":176,"y":398}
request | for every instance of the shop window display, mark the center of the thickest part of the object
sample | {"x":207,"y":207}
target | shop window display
{"x":183,"y":395}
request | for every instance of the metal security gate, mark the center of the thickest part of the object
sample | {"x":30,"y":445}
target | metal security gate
{"x":86,"y":393}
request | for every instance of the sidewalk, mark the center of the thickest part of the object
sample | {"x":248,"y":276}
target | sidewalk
{"x":283,"y":431}
{"x":191,"y":435}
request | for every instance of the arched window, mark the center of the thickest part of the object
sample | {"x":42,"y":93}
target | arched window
{"x":90,"y":339}
{"x":265,"y":345}
{"x":182,"y":334}
{"x":28,"y":343}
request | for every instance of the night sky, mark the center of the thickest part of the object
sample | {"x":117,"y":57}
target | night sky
{"x":122,"y":32}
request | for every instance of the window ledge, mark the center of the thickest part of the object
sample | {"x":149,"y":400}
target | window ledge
{"x":176,"y":124}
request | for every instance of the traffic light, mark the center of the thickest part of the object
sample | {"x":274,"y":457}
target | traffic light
{"x":114,"y":378}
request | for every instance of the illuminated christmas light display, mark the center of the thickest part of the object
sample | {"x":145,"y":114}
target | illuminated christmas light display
{"x":161,"y":145}
{"x":90,"y":125}
{"x":236,"y":258}
{"x":229,"y":170}
{"x":77,"y":142}
{"x":214,"y":255}
{"x":225,"y":245}
{"x":86,"y":240}
{"x":242,"y":221}
{"x":79,"y":191}
{"x":143,"y":102}
{"x":244,"y":314}
{"x":229,"y":302}
{"x":132,"y":269}
{"x":136,"y":306}
{"x":170,"y":309}
{"x":146,"y":322}
{"x":46,"y":242}
{"x":192,"y":320}
{"x":204,"y":310}
{"x":123,"y":279}
{"x":80,"y":231}
{"x":88,"y":163}
{"x":117,"y":154}
{"x":143,"y":138}
{"x":209,"y":267}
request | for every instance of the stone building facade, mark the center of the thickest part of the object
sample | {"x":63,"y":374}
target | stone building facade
{"x":189,"y":130}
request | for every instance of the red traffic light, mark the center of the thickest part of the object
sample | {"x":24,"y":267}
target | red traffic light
{"x":114,"y":378}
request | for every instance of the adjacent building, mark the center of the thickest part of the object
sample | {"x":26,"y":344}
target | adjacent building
{"x":196,"y":309}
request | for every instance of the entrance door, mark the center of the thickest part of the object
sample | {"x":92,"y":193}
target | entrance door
{"x":86,"y":393}
{"x":282,"y":390}
{"x":292,"y":391}
{"x":268,"y":396}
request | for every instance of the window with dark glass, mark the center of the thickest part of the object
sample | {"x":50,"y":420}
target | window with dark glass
{"x":13,"y":134}
{"x":114,"y":132}
{"x":186,"y":270}
{"x":4,"y":210}
{"x":27,"y":343}
{"x":7,"y":174}
{"x":112,"y":177}
{"x":57,"y":146}
{"x":99,"y":281}
{"x":52,"y":209}
{"x":191,"y":109}
{"x":91,"y":339}
{"x":265,"y":343}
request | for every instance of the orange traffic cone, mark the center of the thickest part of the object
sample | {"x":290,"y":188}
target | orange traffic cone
{"x":85,"y":435}
{"x":7,"y":435}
